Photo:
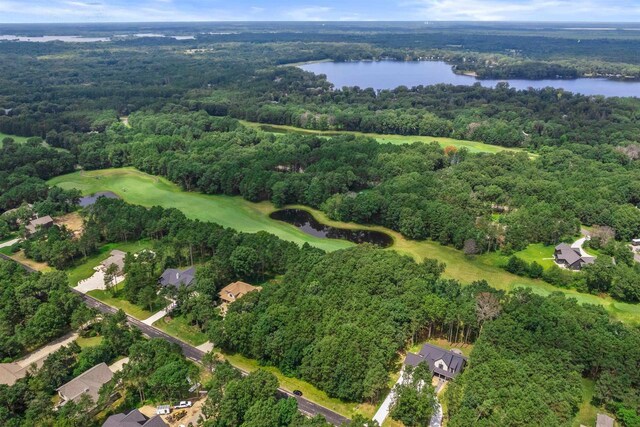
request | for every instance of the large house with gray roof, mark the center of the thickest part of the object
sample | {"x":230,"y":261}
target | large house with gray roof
{"x":134,"y":418}
{"x":571,"y":258}
{"x":442,"y":363}
{"x":88,"y":383}
{"x":177,"y":278}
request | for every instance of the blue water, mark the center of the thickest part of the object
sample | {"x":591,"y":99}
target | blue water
{"x":391,"y":74}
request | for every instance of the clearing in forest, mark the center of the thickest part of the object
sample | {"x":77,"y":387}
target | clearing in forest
{"x":139,"y":188}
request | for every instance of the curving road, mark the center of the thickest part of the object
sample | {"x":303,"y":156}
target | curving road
{"x":305,"y":406}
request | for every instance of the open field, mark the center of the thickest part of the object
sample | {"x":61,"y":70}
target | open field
{"x":472,"y":146}
{"x":234,"y":212}
{"x":537,"y":252}
{"x":139,"y":188}
{"x":19,"y":139}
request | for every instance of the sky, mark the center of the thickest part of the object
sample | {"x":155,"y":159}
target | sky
{"x":59,"y":11}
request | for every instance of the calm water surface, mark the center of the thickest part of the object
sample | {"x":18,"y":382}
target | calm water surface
{"x":90,"y":200}
{"x":305,"y":222}
{"x":391,"y":74}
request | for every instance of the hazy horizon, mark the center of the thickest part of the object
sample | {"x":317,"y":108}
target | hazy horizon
{"x":150,"y":11}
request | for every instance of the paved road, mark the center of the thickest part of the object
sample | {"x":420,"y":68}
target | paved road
{"x":304,"y":405}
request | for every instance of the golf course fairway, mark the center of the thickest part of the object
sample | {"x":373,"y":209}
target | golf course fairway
{"x":139,"y":188}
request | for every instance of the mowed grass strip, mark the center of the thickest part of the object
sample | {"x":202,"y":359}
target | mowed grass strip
{"x":139,"y":188}
{"x":234,"y":212}
{"x":472,"y":146}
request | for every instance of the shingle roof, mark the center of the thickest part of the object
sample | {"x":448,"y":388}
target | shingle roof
{"x":117,"y":258}
{"x":236,"y":290}
{"x":604,"y":421}
{"x":11,"y":372}
{"x":175,"y":277}
{"x":134,"y":418}
{"x":430,"y":354}
{"x":38,"y":222}
{"x":88,"y":382}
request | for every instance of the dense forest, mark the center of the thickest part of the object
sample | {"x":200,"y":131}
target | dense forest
{"x":343,"y":320}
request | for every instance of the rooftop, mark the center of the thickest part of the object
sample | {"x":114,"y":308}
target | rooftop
{"x":236,"y":290}
{"x":176,"y":278}
{"x":88,"y":382}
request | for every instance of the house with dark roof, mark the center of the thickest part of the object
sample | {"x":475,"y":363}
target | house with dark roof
{"x":134,"y":418}
{"x":571,"y":258}
{"x":442,"y":363}
{"x":177,"y":278}
{"x":34,"y":225}
{"x":88,"y":383}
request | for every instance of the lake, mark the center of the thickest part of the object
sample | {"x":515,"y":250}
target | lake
{"x":306,"y":223}
{"x":391,"y":74}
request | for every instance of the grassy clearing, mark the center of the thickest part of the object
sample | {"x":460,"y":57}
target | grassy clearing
{"x":39,"y":266}
{"x":179,"y":328}
{"x":89,"y":342}
{"x":115,"y":300}
{"x":18,"y":139}
{"x":537,"y":252}
{"x":472,"y":146}
{"x":587,"y":413}
{"x":146,"y":190}
{"x":139,"y":188}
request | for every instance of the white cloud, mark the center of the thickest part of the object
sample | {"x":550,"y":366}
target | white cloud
{"x":309,"y":13}
{"x":527,"y":10}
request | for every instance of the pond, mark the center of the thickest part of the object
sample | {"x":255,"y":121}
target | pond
{"x":90,"y":200}
{"x":306,"y":223}
{"x":391,"y":74}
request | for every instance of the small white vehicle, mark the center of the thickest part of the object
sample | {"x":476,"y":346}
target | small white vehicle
{"x":183,"y":404}
{"x":163,"y":410}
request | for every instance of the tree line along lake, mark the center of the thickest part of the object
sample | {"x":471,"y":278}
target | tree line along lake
{"x":381,"y":75}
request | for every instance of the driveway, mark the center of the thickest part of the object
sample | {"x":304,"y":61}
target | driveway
{"x":383,"y":411}
{"x":9,"y":243}
{"x":94,"y":282}
{"x":39,"y":355}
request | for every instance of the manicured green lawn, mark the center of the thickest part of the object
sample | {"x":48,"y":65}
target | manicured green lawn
{"x":18,"y":139}
{"x":146,"y":190}
{"x":89,"y":342}
{"x":84,"y":269}
{"x":139,"y":188}
{"x":472,"y":146}
{"x":115,"y":300}
{"x":537,"y":252}
{"x":179,"y":328}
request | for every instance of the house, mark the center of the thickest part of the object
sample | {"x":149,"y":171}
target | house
{"x":88,"y":382}
{"x":571,"y":258}
{"x":134,"y":418}
{"x":44,"y":222}
{"x":233,"y":292}
{"x":604,"y":421}
{"x":176,"y":278}
{"x":442,"y":363}
{"x":635,"y":242}
{"x":117,"y":258}
{"x":12,"y":372}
